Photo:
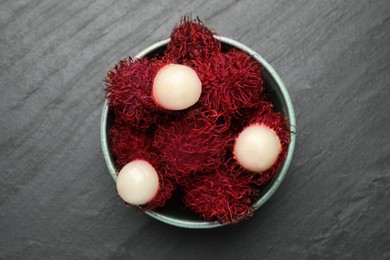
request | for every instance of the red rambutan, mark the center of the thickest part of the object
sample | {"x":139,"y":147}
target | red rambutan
{"x":129,"y":88}
{"x":192,"y":143}
{"x":220,"y":195}
{"x":190,"y":39}
{"x":230,"y":81}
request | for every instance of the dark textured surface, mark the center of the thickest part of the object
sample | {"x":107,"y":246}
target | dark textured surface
{"x":57,"y":200}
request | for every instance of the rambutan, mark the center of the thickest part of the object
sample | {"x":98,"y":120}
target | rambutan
{"x":220,"y":195}
{"x":190,"y":39}
{"x":265,"y":115}
{"x":129,"y":88}
{"x":230,"y":81}
{"x":192,"y":143}
{"x":129,"y":144}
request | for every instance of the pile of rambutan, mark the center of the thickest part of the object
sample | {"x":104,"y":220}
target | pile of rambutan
{"x":193,"y":149}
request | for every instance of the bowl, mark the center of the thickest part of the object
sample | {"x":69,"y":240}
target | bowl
{"x":174,"y":212}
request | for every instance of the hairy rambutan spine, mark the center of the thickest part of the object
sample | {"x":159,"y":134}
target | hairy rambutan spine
{"x":195,"y":142}
{"x":220,"y":195}
{"x":129,"y":92}
{"x":231,"y":81}
{"x":190,"y":39}
{"x":128,"y":143}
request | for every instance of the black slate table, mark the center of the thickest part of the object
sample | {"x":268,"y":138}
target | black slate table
{"x":57,"y":199}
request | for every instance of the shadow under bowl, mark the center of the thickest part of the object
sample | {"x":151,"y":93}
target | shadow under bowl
{"x":174,"y":212}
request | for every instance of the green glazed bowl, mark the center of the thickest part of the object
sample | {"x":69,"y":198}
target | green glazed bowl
{"x":174,"y":212}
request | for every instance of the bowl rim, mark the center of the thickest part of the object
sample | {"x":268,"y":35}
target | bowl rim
{"x":282,"y":173}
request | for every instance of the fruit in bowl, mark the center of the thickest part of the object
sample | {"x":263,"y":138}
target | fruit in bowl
{"x":197,"y":130}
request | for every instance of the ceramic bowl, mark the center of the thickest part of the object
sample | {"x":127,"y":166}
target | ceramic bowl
{"x":174,"y":213}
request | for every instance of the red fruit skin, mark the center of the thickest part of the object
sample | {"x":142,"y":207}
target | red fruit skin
{"x":231,"y":81}
{"x":190,"y":39}
{"x":220,"y":195}
{"x":195,"y":142}
{"x":129,"y":93}
{"x":128,"y":143}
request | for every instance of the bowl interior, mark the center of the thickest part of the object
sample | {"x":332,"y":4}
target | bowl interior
{"x":174,"y":212}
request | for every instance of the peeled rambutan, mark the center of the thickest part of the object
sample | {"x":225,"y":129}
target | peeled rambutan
{"x":192,"y":143}
{"x":220,"y":195}
{"x":265,"y":115}
{"x":190,"y":39}
{"x":230,"y":81}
